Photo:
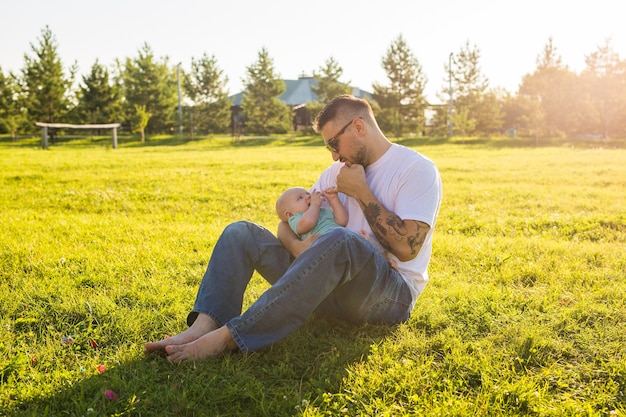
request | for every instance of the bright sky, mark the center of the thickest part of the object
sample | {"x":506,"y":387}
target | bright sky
{"x":301,"y":36}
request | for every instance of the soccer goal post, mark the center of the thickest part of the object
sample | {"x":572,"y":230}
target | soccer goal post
{"x":45,"y":126}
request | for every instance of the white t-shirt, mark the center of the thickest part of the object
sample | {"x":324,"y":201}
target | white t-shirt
{"x":407,"y":184}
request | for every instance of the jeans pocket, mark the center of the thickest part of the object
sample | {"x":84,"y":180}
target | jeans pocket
{"x":389,"y":311}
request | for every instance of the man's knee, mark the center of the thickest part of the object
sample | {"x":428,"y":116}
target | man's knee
{"x":238,"y":228}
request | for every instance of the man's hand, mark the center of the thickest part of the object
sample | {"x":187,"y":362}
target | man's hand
{"x":351,"y":180}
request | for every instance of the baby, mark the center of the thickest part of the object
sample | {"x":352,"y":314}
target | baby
{"x":305,"y":214}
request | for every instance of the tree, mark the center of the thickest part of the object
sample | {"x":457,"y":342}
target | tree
{"x":328,"y":86}
{"x":522,"y":113}
{"x":45,"y":87}
{"x":552,"y":85}
{"x":488,"y":114}
{"x":328,"y":83}
{"x":479,"y":112}
{"x":265,"y":112}
{"x":140,"y":119}
{"x":10,"y":115}
{"x":402,"y":102}
{"x":206,"y":88}
{"x":149,"y":82}
{"x":604,"y":83}
{"x":99,"y":99}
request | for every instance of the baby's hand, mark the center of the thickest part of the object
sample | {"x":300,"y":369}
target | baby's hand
{"x":330,"y":193}
{"x":316,"y":197}
{"x":391,"y":262}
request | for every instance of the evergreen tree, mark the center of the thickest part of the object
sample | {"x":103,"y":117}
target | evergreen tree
{"x":478,"y":112}
{"x":265,"y":112}
{"x":10,"y":116}
{"x":45,"y":87}
{"x":604,"y":83}
{"x":402,"y":102}
{"x":328,"y":86}
{"x":206,"y":88}
{"x":99,"y":98}
{"x":328,"y":83}
{"x":523,"y":114}
{"x":150,"y":84}
{"x":553,"y":86}
{"x":488,"y":114}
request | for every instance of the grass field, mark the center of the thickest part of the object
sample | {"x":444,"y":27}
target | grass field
{"x":102,"y":250}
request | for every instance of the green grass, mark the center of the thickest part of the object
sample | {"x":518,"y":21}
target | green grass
{"x":524,"y":315}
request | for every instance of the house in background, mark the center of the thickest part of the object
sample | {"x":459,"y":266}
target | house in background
{"x":297,"y":94}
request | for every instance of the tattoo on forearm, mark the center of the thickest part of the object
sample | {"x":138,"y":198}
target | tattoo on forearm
{"x":397,"y":226}
{"x":371,"y":211}
{"x":393,"y":228}
{"x":416,"y":242}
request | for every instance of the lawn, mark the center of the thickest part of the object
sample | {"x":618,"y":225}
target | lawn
{"x":102,"y":250}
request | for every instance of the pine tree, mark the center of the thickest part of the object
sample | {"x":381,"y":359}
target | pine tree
{"x":10,"y":116}
{"x":328,"y":81}
{"x":604,"y":84}
{"x":205,"y":86}
{"x":99,"y":98}
{"x":402,"y":102}
{"x":265,"y":112}
{"x":471,"y":98}
{"x":150,"y":84}
{"x":45,"y":86}
{"x":553,"y":86}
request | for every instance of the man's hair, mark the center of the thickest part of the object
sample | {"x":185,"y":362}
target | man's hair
{"x":346,"y":106}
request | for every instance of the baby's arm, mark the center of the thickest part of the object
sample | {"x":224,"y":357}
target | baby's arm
{"x":339,"y":211}
{"x":309,"y":218}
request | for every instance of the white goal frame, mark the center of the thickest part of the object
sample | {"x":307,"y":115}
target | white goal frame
{"x":45,"y":126}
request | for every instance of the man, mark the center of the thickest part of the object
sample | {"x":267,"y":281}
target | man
{"x":391,"y":193}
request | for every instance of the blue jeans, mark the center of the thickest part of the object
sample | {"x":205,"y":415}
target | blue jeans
{"x":340,"y":275}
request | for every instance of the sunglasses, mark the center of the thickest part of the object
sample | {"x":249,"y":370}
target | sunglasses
{"x":333,"y":143}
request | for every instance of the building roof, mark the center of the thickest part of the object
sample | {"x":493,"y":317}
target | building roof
{"x":298,"y":92}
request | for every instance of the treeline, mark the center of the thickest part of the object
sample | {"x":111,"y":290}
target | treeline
{"x":144,"y":93}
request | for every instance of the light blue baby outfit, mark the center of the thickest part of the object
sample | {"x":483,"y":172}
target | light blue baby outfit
{"x":325,"y":222}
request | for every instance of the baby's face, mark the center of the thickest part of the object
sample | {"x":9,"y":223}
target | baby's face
{"x":298,"y":200}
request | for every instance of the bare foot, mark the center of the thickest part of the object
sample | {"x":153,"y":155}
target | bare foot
{"x":211,"y":344}
{"x":203,"y":325}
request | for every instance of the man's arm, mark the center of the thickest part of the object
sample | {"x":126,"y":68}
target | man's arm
{"x":403,"y":238}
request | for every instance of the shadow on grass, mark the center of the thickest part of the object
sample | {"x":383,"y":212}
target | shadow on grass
{"x":276,"y":381}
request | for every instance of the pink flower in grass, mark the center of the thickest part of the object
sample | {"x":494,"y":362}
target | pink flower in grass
{"x":111,"y":395}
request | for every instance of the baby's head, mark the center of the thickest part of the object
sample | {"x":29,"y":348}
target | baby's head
{"x":293,"y":200}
